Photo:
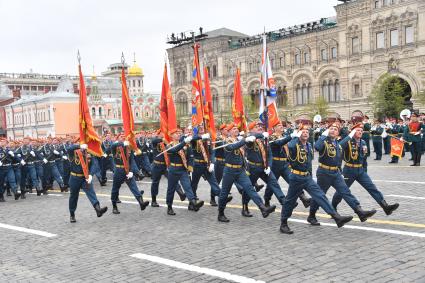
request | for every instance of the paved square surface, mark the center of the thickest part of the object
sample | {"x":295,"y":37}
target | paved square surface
{"x":149,"y":246}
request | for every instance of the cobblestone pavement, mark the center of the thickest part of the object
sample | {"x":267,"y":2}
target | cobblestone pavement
{"x":384,"y":249}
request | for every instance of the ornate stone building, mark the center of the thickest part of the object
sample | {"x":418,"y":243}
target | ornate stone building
{"x":339,"y":58}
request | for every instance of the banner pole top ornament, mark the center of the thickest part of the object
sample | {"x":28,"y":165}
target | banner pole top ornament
{"x":122,"y":58}
{"x":78,"y":56}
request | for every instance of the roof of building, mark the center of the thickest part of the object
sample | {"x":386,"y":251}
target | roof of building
{"x":135,"y":71}
{"x":225,"y":32}
{"x":52,"y":94}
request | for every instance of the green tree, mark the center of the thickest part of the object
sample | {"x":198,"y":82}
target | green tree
{"x":389,"y":96}
{"x":318,"y":106}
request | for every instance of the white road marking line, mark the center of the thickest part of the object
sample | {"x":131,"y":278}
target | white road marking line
{"x":379,"y":230}
{"x":408,"y":197}
{"x":26,"y":230}
{"x":194,"y":268}
{"x":399,"y":181}
{"x":50,"y":194}
{"x":143,"y":182}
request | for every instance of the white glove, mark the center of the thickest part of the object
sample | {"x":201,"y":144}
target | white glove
{"x":89,"y":179}
{"x":188,"y":139}
{"x":45,"y":160}
{"x":250,"y":139}
{"x":129,"y":175}
{"x":326,"y":133}
{"x":83,"y":146}
{"x":294,"y":134}
{"x":240,"y":138}
{"x":56,"y":152}
{"x":317,"y":130}
{"x":65,"y":157}
{"x":126,"y":143}
{"x":267,"y":171}
{"x":11,"y":153}
{"x":265,"y":135}
{"x":32,"y":153}
{"x":1,"y":163}
{"x":105,"y":155}
{"x":205,"y":136}
{"x":242,"y":133}
{"x":211,"y":168}
{"x":147,"y":144}
{"x":23,"y":162}
{"x":353,"y":132}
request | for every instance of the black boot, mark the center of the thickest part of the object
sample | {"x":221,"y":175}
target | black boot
{"x":229,"y":199}
{"x":8,"y":193}
{"x":115,"y":209}
{"x":245,"y":211}
{"x":195,"y":205}
{"x":312,"y":219}
{"x":38,"y":192}
{"x":284,"y":228}
{"x":2,"y":198}
{"x":103,"y":182}
{"x":100,"y":210}
{"x":267,"y":203}
{"x":364,"y":214}
{"x":258,"y":187}
{"x":23,"y":191}
{"x":154,"y":203}
{"x":265,"y":211}
{"x":181,"y":194}
{"x":17,"y":195}
{"x":170,"y":210}
{"x":118,"y":200}
{"x":341,"y":220}
{"x":388,"y":208}
{"x":72,"y":218}
{"x":143,"y":204}
{"x":305,"y":200}
{"x":212,"y":201}
{"x":45,"y":191}
{"x":222,"y":217}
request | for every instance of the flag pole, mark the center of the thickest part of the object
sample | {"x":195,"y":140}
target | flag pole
{"x":264,"y":93}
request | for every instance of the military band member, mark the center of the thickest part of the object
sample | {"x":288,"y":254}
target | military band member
{"x":396,"y":131}
{"x":328,"y":173}
{"x":300,"y":157}
{"x":179,"y":170}
{"x":376,"y":131}
{"x":355,"y":169}
{"x":234,"y":171}
{"x":83,"y":167}
{"x":412,"y":134}
{"x":125,"y":168}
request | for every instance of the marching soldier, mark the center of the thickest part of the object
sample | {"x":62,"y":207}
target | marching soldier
{"x":159,"y":167}
{"x":412,"y":134}
{"x":328,"y":173}
{"x":234,"y":171}
{"x":178,"y":171}
{"x":125,"y":168}
{"x":107,"y":161}
{"x":366,"y":133}
{"x":6,"y":170}
{"x":280,"y":165}
{"x":395,"y":132}
{"x":82,"y":169}
{"x":28,"y":158}
{"x":355,"y":169}
{"x":50,"y":169}
{"x":300,"y":157}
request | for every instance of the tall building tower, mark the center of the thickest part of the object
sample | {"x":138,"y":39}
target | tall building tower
{"x":135,"y":80}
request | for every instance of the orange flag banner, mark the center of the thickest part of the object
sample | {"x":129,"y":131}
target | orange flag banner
{"x":208,"y":107}
{"x":273,"y":117}
{"x":396,"y":147}
{"x":127,"y":114}
{"x":167,"y":111}
{"x":88,"y":134}
{"x":238,"y":111}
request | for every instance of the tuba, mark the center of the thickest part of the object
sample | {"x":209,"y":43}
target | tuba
{"x":405,"y":113}
{"x":317,"y":118}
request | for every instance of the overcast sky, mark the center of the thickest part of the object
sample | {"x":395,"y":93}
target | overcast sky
{"x":44,"y":35}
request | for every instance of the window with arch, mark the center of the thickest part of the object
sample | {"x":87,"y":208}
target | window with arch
{"x":209,"y":72}
{"x":297,"y":59}
{"x":100,"y":111}
{"x":282,"y":96}
{"x":184,"y":77}
{"x":215,"y":101}
{"x":306,"y":58}
{"x":182,"y":104}
{"x":178,"y":78}
{"x":93,"y":111}
{"x":331,"y":90}
{"x":214,"y":71}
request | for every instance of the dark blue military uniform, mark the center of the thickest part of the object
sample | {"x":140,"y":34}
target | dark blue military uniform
{"x":30,"y":156}
{"x":6,"y":172}
{"x":142,"y":160}
{"x":376,"y":133}
{"x":366,"y":136}
{"x":50,"y":169}
{"x":106,"y":161}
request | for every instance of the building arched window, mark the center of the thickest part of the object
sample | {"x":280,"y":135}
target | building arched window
{"x":182,"y":105}
{"x":178,"y":78}
{"x":100,"y":111}
{"x":214,"y":71}
{"x":305,"y":94}
{"x":337,"y":91}
{"x":184,"y":77}
{"x":215,"y":101}
{"x":282,"y":96}
{"x":93,"y":111}
{"x":299,"y":96}
{"x":325,"y":90}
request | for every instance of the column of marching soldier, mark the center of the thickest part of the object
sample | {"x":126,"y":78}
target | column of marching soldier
{"x":234,"y":158}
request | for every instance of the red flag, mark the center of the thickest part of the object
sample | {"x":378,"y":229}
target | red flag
{"x":197,"y":111}
{"x":208,"y":109}
{"x":396,"y":147}
{"x":88,"y":134}
{"x":167,"y":110}
{"x":238,"y":111}
{"x":127,"y":114}
{"x":273,"y":117}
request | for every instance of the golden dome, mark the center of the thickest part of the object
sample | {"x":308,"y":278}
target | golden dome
{"x":135,"y":71}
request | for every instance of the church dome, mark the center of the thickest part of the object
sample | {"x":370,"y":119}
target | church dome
{"x":135,"y":71}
